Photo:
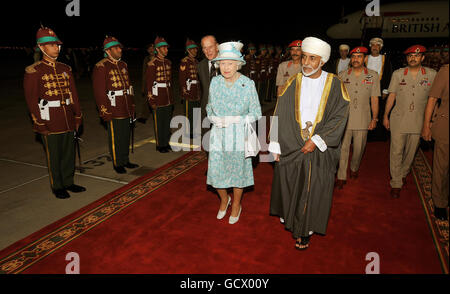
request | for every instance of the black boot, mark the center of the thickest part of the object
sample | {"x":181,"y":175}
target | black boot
{"x":162,"y":149}
{"x":61,"y":194}
{"x":120,"y":169}
{"x":76,"y":189}
{"x":131,"y":165}
{"x":440,"y":213}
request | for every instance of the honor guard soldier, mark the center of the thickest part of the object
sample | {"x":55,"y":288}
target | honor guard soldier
{"x":114,"y":97}
{"x":263,"y":65}
{"x":272,"y":73}
{"x":251,"y":68}
{"x":363,"y":87}
{"x":189,"y":84}
{"x":275,"y":62}
{"x":143,"y":111}
{"x":287,"y":69}
{"x":52,"y":100}
{"x":409,"y":89}
{"x":158,"y":77}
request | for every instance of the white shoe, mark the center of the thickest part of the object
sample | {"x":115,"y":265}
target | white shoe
{"x":281,"y":220}
{"x":232,"y":219}
{"x":222,"y":213}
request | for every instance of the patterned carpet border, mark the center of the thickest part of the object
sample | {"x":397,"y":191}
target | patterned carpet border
{"x":23,"y":258}
{"x":439,"y":229}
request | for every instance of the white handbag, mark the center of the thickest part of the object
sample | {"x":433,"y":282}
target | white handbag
{"x":251,"y":142}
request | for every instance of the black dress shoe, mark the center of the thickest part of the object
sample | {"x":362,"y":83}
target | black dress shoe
{"x":131,"y":165}
{"x":61,"y":194}
{"x":76,"y":189}
{"x":162,"y":149}
{"x":120,"y":169}
{"x":340,"y":184}
{"x":395,"y":193}
{"x":169,"y":148}
{"x":440,"y":213}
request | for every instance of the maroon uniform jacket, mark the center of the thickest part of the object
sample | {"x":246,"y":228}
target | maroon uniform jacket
{"x":51,"y":97}
{"x":158,"y":77}
{"x":112,"y":89}
{"x":188,"y":77}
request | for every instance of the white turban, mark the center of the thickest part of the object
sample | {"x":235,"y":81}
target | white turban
{"x":376,"y":41}
{"x":344,"y":47}
{"x":318,"y":47}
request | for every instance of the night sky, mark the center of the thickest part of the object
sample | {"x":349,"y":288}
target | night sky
{"x":136,"y":23}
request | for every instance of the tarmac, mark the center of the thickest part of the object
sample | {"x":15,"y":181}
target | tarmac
{"x":27,"y":203}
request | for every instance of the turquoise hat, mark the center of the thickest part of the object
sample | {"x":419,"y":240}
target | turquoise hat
{"x":230,"y":51}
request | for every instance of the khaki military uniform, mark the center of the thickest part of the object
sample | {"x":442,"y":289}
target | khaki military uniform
{"x":440,"y":134}
{"x":273,"y":67}
{"x":406,"y":118}
{"x":286,"y":70}
{"x":360,"y":89}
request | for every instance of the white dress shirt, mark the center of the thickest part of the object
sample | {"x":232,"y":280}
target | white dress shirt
{"x":375,"y":63}
{"x":343,"y":64}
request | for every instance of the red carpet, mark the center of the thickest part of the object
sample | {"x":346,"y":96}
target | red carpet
{"x":422,"y":171}
{"x":166,"y":222}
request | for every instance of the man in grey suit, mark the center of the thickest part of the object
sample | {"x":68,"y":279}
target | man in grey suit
{"x":207,"y":69}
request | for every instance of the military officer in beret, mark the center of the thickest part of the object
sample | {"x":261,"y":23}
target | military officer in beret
{"x":114,"y":97}
{"x":291,"y":67}
{"x":158,"y":77}
{"x":189,"y":84}
{"x":409,"y":89}
{"x":52,"y":100}
{"x":363,"y":87}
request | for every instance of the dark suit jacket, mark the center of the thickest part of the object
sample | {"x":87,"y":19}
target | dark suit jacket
{"x":203,"y":74}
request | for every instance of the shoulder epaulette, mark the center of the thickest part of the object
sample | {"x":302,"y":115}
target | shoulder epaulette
{"x":101,"y":62}
{"x":31,"y":68}
{"x":63,"y":64}
{"x":152,"y":61}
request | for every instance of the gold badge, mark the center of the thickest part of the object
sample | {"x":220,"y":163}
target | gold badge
{"x":182,"y":67}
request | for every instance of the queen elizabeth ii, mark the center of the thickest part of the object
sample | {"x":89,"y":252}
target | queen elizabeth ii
{"x":233,"y":104}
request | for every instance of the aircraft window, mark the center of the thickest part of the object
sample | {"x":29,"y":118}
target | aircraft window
{"x":437,"y":18}
{"x":428,"y":19}
{"x":423,"y":19}
{"x":432,"y":18}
